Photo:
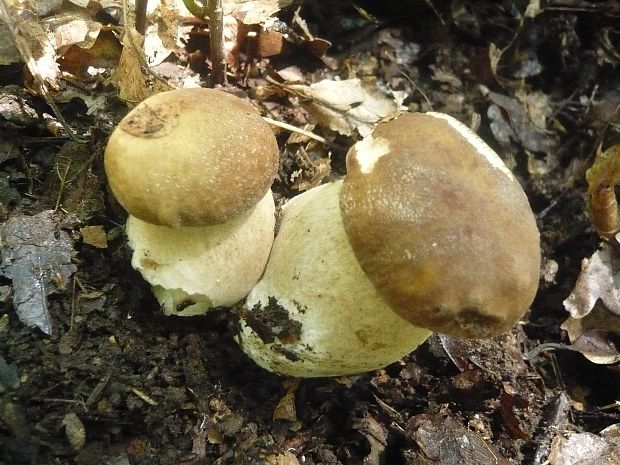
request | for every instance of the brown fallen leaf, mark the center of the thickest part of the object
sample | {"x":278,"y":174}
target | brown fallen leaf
{"x":602,"y":177}
{"x":597,"y":345}
{"x":285,"y":409}
{"x":95,"y":236}
{"x":377,"y":436}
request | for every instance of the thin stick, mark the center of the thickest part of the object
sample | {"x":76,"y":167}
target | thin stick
{"x":290,"y":127}
{"x":216,"y":41}
{"x":212,"y":12}
{"x":140,"y":13}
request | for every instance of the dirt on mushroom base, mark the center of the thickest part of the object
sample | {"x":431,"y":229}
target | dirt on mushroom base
{"x":154,"y":390}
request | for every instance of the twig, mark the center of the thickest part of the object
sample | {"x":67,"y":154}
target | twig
{"x":140,"y":13}
{"x":290,"y":127}
{"x":212,"y":12}
{"x":216,"y":41}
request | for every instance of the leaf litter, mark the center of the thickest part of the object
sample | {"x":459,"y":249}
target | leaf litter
{"x":164,"y":391}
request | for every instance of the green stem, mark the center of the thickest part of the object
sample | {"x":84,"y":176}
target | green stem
{"x":195,"y":9}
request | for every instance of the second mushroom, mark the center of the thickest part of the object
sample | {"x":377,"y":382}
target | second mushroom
{"x":429,"y":231}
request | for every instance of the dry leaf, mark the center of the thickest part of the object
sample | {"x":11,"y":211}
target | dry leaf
{"x":602,"y":177}
{"x":283,"y":458}
{"x":9,"y":378}
{"x":74,"y":28}
{"x":528,"y":134}
{"x":285,"y":409}
{"x":599,"y":279}
{"x":377,"y":436}
{"x":586,"y":448}
{"x":160,"y":38}
{"x":443,"y":440}
{"x":592,"y":326}
{"x":346,"y":106}
{"x":16,"y":106}
{"x":95,"y":236}
{"x":254,"y":12}
{"x":38,"y":52}
{"x":8,"y":51}
{"x":132,"y":87}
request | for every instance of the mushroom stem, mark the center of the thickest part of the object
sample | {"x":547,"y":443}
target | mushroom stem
{"x":314,"y":312}
{"x":194,"y":269}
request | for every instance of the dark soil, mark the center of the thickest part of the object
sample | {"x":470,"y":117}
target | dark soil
{"x":118,"y":383}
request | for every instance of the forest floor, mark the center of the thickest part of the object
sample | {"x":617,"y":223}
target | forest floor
{"x":91,"y":372}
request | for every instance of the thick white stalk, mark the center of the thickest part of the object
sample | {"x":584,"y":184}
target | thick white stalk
{"x":195,"y":269}
{"x":315,"y":310}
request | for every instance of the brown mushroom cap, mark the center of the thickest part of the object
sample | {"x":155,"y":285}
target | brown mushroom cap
{"x":191,"y":157}
{"x":440,"y":226}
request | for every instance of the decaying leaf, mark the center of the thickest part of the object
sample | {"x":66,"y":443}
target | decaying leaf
{"x":8,"y":52}
{"x":72,"y":182}
{"x":74,"y":28}
{"x":38,"y":52}
{"x":36,"y":257}
{"x":285,"y":409}
{"x":161,"y":32}
{"x":283,"y":458}
{"x":602,"y":177}
{"x":377,"y":436}
{"x":254,"y":11}
{"x":246,"y":11}
{"x":529,"y":135}
{"x":600,"y":346}
{"x":132,"y":87}
{"x":599,"y":279}
{"x":16,"y":106}
{"x":95,"y":236}
{"x":597,"y":345}
{"x":594,"y":306}
{"x":9,"y":378}
{"x":586,"y":448}
{"x":346,"y":106}
{"x":443,"y":440}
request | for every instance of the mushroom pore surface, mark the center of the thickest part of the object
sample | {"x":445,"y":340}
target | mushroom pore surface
{"x":440,"y":226}
{"x":190,"y":157}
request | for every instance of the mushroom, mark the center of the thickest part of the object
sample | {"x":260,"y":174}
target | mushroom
{"x":193,"y":168}
{"x":429,"y":231}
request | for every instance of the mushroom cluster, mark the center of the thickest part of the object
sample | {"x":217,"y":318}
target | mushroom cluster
{"x":428,"y":231}
{"x":193,"y":168}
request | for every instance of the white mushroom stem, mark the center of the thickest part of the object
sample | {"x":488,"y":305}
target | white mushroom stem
{"x":195,"y":269}
{"x":315,"y":309}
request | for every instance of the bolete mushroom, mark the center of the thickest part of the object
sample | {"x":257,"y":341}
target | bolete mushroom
{"x":429,"y":231}
{"x":193,"y":168}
